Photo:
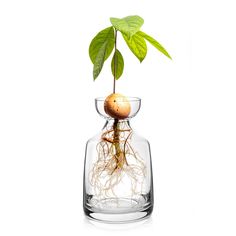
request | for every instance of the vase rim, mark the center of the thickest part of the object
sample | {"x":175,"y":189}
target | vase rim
{"x":135,"y":103}
{"x":130,"y":99}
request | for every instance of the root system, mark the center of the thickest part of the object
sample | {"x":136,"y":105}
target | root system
{"x":116,"y":160}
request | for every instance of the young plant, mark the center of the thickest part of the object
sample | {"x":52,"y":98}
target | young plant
{"x":105,"y":42}
{"x":115,"y":150}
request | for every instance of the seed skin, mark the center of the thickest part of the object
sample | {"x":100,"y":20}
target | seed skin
{"x":117,"y":106}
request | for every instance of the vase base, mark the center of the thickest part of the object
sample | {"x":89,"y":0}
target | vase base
{"x":126,"y":211}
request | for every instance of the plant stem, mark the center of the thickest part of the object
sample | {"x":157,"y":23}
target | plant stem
{"x":116,"y":138}
{"x":114,"y":81}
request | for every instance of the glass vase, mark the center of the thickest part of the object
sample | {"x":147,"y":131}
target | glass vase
{"x":118,"y":184}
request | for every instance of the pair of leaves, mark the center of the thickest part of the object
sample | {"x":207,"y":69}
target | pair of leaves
{"x":100,"y":49}
{"x":137,"y":45}
{"x":134,"y":38}
{"x":154,"y":43}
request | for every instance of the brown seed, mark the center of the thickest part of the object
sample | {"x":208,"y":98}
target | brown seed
{"x":117,"y":106}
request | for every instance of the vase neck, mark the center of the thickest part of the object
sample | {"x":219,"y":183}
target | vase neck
{"x":120,"y":124}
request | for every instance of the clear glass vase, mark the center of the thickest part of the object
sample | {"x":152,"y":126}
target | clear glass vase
{"x":118,"y":185}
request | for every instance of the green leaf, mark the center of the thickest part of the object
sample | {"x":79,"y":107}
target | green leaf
{"x":128,"y":25}
{"x":154,"y":43}
{"x":137,"y":45}
{"x":118,"y":62}
{"x":104,"y":39}
{"x":99,"y":61}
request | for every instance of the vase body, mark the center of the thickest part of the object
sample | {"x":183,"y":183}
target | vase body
{"x":118,"y":184}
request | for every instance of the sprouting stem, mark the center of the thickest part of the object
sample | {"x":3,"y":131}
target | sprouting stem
{"x":116,"y":142}
{"x":114,"y":80}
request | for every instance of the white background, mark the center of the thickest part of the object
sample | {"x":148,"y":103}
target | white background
{"x":47,"y":114}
